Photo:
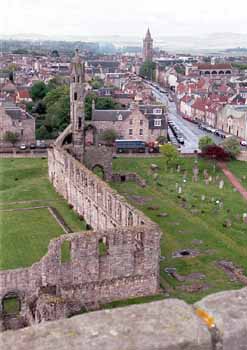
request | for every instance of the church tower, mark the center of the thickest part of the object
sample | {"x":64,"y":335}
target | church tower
{"x":148,"y":47}
{"x":77,"y":96}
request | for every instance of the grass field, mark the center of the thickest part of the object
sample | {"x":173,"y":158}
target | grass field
{"x":25,"y":235}
{"x":183,"y":229}
{"x":239,"y":169}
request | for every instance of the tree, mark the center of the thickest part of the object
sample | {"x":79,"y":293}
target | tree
{"x":38,"y":91}
{"x":54,"y":53}
{"x":147,"y":70}
{"x":204,"y":142}
{"x":106,"y":103}
{"x":97,"y":83}
{"x":161,"y":140}
{"x":100,"y":103}
{"x":170,"y":154}
{"x":109,"y":136}
{"x":11,"y":137}
{"x":231,"y":145}
{"x":57,"y":103}
{"x":215,"y":152}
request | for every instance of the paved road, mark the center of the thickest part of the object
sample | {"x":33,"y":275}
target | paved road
{"x":190,"y":131}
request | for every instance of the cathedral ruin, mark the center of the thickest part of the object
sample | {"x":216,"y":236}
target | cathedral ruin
{"x":116,"y":258}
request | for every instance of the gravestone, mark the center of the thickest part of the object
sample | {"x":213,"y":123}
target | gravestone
{"x":195,"y":174}
{"x":245,"y":218}
{"x":221,"y":184}
{"x":154,"y":167}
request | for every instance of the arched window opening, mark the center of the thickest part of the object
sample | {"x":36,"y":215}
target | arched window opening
{"x":130,"y":219}
{"x":65,"y":252}
{"x":75,"y":96}
{"x":109,"y":204}
{"x":119,"y":213}
{"x":11,"y":304}
{"x":103,"y":246}
{"x":99,"y":171}
{"x":79,"y":123}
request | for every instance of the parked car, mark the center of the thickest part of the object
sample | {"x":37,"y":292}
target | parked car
{"x":180,"y":140}
{"x":220,"y":133}
{"x":43,"y":145}
{"x":32,"y":145}
{"x":23,"y":146}
{"x":243,"y":143}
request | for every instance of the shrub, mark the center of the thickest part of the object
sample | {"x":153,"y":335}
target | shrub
{"x":231,"y":145}
{"x":204,"y":142}
{"x":216,"y":153}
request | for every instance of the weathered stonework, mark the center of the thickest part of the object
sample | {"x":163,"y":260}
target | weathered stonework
{"x":129,"y":268}
{"x":117,"y":259}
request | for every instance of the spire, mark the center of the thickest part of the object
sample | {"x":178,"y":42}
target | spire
{"x":148,"y":35}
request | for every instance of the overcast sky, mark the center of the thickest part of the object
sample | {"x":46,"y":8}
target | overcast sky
{"x":126,"y":17}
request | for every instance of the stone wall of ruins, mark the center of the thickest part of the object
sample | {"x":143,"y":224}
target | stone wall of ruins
{"x":128,"y":267}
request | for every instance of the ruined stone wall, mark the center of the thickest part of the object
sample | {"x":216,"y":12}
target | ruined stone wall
{"x":101,"y":206}
{"x":128,"y":266}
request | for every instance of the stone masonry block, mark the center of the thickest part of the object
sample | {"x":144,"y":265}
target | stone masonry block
{"x":164,"y":325}
{"x":229,"y":310}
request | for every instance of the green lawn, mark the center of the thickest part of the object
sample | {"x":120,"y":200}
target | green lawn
{"x":239,"y":169}
{"x":25,"y":235}
{"x":181,"y":227}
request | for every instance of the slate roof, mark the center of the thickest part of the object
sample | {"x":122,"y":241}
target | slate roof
{"x":15,"y":112}
{"x":109,"y":115}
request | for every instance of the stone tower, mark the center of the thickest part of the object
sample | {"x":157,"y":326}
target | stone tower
{"x":148,"y":47}
{"x":77,"y":96}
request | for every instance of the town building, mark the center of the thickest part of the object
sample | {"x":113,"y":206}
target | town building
{"x":232,"y":119}
{"x":16,"y":120}
{"x":139,"y":122}
{"x":211,"y":70}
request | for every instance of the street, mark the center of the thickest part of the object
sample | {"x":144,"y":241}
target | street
{"x":190,"y":131}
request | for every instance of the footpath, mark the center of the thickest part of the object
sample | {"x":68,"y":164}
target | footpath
{"x":233,"y":180}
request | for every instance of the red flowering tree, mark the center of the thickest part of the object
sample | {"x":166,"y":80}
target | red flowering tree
{"x":215,"y":152}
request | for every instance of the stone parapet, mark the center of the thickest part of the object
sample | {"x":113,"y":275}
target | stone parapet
{"x":165,"y":325}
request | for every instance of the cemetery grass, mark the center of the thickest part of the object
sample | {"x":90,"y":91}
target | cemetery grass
{"x":25,"y":235}
{"x":184,"y":230}
{"x":239,"y":169}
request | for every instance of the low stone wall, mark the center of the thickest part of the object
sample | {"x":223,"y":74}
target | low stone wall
{"x":218,"y":322}
{"x":133,"y":177}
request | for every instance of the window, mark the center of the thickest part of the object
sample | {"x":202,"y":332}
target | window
{"x":103,"y":246}
{"x":75,"y":96}
{"x":131,"y":121}
{"x":157,"y":111}
{"x":78,"y":79}
{"x":130,"y":131}
{"x":22,"y":132}
{"x":120,"y":117}
{"x":141,"y":122}
{"x":79,"y":122}
{"x":65,"y":252}
{"x":141,"y":132}
{"x":157,"y":122}
{"x":130,"y":221}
